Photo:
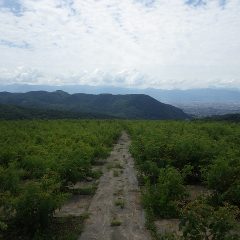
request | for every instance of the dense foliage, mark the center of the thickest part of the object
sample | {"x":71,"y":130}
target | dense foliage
{"x":172,"y":155}
{"x":38,"y":159}
{"x":14,"y":112}
{"x":234,"y":117}
{"x":203,"y":221}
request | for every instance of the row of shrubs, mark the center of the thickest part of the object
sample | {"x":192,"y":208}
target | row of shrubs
{"x":170,"y":155}
{"x":38,"y":160}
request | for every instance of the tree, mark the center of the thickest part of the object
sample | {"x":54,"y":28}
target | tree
{"x":36,"y":204}
{"x":164,"y":197}
{"x":223,"y":176}
{"x":200,"y":220}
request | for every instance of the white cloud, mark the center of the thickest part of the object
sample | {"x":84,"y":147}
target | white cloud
{"x":143,"y":43}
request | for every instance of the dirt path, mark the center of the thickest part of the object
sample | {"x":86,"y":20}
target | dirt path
{"x":115,"y":211}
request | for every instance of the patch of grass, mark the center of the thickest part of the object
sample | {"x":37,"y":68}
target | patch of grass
{"x":110,"y":166}
{"x":118,"y":165}
{"x":97,"y":174}
{"x":98,"y":162}
{"x":168,"y":236}
{"x":85,"y":215}
{"x":118,"y":192}
{"x":60,"y":228}
{"x":115,"y":223}
{"x":150,"y":225}
{"x":89,"y":190}
{"x":115,"y":173}
{"x":120,"y":203}
{"x":67,"y":228}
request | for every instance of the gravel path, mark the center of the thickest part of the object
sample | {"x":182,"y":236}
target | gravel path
{"x":115,"y":210}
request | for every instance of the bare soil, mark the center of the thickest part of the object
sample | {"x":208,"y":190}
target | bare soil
{"x":115,"y":210}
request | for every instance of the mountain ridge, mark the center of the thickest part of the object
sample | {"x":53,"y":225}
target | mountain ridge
{"x":174,"y":96}
{"x":129,"y":106}
{"x":13,"y":112}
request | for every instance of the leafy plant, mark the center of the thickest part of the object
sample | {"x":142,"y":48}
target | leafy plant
{"x":201,"y":221}
{"x":223,"y":176}
{"x":165,"y":196}
{"x":37,"y":203}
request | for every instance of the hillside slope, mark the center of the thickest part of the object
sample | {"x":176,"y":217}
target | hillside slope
{"x":226,"y":117}
{"x":12,"y":112}
{"x":174,"y":96}
{"x":130,"y":106}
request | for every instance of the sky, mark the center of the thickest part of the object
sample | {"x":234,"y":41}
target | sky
{"x":164,"y":44}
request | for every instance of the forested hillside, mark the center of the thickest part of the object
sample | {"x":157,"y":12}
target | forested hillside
{"x":12,"y":112}
{"x":226,"y":117}
{"x":131,"y":106}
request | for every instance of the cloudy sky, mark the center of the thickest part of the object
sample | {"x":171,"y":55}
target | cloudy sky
{"x":137,"y":43}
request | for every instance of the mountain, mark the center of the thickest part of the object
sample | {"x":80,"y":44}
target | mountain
{"x":12,"y":112}
{"x":175,"y":96}
{"x":226,"y":117}
{"x":196,"y":102}
{"x":130,"y":106}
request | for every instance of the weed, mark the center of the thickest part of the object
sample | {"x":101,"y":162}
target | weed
{"x":120,"y":203}
{"x":89,"y":190}
{"x":97,"y":174}
{"x":98,"y":162}
{"x":118,"y":165}
{"x":115,"y":173}
{"x":110,"y":166}
{"x":118,"y":192}
{"x":115,"y":223}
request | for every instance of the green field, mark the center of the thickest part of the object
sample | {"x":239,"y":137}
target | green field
{"x":174,"y":159}
{"x":40,"y":159}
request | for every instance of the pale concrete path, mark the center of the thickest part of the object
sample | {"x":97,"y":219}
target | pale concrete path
{"x":118,"y":184}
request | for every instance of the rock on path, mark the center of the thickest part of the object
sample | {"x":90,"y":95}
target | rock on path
{"x":115,"y":210}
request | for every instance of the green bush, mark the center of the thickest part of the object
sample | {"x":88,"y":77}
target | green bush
{"x":35,"y":206}
{"x":73,"y":169}
{"x":34,"y":166}
{"x":164,"y":197}
{"x":38,"y":160}
{"x":223,"y":177}
{"x":150,"y":170}
{"x":9,"y":178}
{"x":199,"y":221}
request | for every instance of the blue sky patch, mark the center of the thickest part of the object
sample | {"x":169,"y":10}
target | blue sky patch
{"x":147,"y":3}
{"x":222,"y":2}
{"x":197,"y":3}
{"x":13,"y":5}
{"x":23,"y":45}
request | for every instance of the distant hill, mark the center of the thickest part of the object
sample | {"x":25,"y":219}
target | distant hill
{"x":130,"y":106}
{"x":175,"y":96}
{"x":226,"y":117}
{"x":200,"y":102}
{"x":11,"y":112}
